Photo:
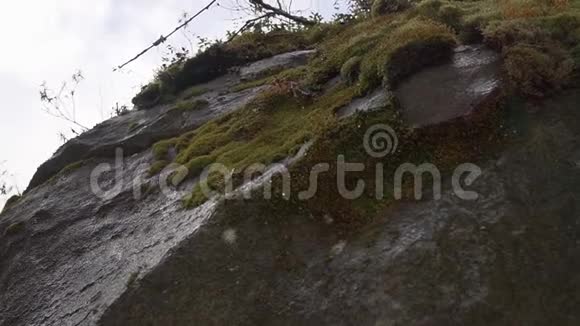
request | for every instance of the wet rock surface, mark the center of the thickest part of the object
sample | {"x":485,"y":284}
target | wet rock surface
{"x":283,"y":61}
{"x":374,"y":101}
{"x":69,"y":257}
{"x":451,"y":90}
{"x":77,"y":252}
{"x":510,"y":256}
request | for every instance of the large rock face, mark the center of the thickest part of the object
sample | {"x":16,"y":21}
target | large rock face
{"x":509,"y":257}
{"x":69,"y":257}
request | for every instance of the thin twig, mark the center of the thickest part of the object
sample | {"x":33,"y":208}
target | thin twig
{"x":249,"y":23}
{"x":162,"y":39}
{"x":280,"y":12}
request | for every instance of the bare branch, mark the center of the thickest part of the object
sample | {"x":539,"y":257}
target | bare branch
{"x":162,"y":38}
{"x":62,"y":105}
{"x":249,"y":23}
{"x":279,"y":12}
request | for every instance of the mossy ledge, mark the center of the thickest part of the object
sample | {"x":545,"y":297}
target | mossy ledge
{"x":368,"y":53}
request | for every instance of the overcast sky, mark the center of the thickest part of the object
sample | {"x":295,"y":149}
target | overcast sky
{"x":48,"y":40}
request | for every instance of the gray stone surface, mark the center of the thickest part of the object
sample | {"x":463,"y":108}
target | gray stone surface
{"x":510,"y":257}
{"x":279,"y":62}
{"x":451,"y":90}
{"x":374,"y":101}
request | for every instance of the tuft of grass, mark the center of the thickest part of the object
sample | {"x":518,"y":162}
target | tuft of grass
{"x":350,"y":70}
{"x":502,"y":34}
{"x":525,"y":9}
{"x":442,"y":11}
{"x":538,"y":72}
{"x":149,"y":96}
{"x":15,"y":228}
{"x":564,"y":28}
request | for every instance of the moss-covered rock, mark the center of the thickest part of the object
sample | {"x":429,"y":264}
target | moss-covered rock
{"x":218,"y":59}
{"x":148,"y":97}
{"x":418,"y":55}
{"x":412,"y":46}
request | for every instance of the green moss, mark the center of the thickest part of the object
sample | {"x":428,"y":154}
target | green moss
{"x":161,"y":149}
{"x":157,"y":167}
{"x":196,"y":198}
{"x":196,"y":165}
{"x":503,"y":34}
{"x":267,"y":130}
{"x":410,"y":47}
{"x":15,"y":228}
{"x":366,"y":53}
